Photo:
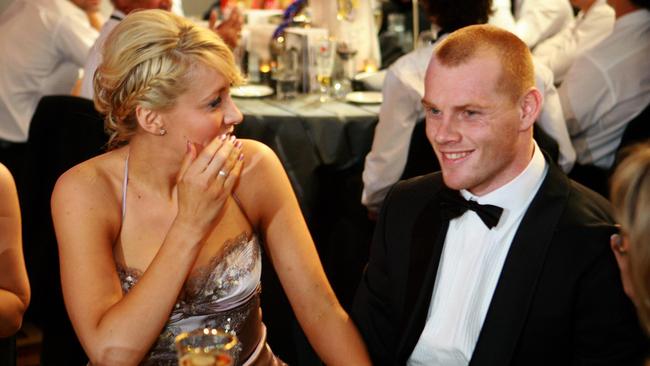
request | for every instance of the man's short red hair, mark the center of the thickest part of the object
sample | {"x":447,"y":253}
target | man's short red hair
{"x":517,"y":71}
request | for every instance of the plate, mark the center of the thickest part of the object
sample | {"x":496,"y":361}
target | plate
{"x":371,"y":80}
{"x":251,"y":91}
{"x":364,"y":97}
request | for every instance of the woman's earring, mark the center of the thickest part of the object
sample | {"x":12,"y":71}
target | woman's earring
{"x":162,"y":132}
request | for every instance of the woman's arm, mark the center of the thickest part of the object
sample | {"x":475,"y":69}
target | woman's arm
{"x":14,"y":285}
{"x":269,"y":201}
{"x":118,"y":329}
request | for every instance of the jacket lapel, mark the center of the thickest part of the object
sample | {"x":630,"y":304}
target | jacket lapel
{"x":512,"y":297}
{"x":427,"y":240}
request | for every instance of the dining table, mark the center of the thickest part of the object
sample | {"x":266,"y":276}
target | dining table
{"x":310,"y":136}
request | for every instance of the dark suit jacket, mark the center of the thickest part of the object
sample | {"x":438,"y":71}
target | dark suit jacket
{"x":558,"y":301}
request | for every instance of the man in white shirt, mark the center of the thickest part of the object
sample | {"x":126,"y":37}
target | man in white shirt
{"x":43,"y":46}
{"x":532,"y":20}
{"x":593,"y":23}
{"x":499,"y":259}
{"x":401,"y":108}
{"x":228,"y":30}
{"x":38,"y":36}
{"x":608,"y":85}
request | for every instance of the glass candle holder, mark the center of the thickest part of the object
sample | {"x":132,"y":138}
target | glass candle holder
{"x":206,"y":347}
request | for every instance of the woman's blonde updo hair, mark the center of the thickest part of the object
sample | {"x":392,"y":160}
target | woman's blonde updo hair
{"x":630,"y":193}
{"x":148,"y":60}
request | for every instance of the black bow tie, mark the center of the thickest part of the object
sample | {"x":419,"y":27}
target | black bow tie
{"x":452,"y":205}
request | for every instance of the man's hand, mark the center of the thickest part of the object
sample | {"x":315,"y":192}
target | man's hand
{"x":230,"y":29}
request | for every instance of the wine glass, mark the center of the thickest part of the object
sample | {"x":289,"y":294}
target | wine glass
{"x":324,"y":66}
{"x":206,"y":347}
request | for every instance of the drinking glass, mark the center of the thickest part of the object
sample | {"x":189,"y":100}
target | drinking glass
{"x":325,"y":51}
{"x":206,"y":347}
{"x":286,"y":75}
{"x":346,"y":51}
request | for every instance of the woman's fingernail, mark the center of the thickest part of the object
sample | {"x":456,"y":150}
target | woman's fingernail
{"x":188,"y":146}
{"x":223,"y":136}
{"x":239,"y":144}
{"x":232,"y":138}
{"x":241,"y":157}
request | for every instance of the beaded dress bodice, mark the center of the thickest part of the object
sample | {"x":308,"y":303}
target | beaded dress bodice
{"x":223,"y":294}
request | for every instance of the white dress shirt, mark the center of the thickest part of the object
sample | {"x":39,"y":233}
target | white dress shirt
{"x":401,"y":108}
{"x":95,"y":55}
{"x":470,"y":266}
{"x":533,"y":20}
{"x":588,"y":29}
{"x":43,"y":45}
{"x":607,"y":86}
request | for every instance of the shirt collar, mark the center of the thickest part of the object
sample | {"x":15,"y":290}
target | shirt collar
{"x":633,"y":19}
{"x":516,"y":194}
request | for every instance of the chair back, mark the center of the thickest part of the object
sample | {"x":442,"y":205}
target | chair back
{"x":64,"y":131}
{"x":637,"y":130}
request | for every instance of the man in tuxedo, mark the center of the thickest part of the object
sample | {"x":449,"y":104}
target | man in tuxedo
{"x":499,"y":259}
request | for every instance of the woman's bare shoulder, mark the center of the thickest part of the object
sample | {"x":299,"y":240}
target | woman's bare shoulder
{"x":92,"y":182}
{"x":6,"y":181}
{"x":259,"y":160}
{"x":263,"y":183}
{"x":8,"y":193}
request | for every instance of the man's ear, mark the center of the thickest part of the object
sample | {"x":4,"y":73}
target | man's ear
{"x":150,"y":120}
{"x":530,"y":106}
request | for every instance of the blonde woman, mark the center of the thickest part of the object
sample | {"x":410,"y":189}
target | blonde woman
{"x":162,"y":234}
{"x":630,"y":193}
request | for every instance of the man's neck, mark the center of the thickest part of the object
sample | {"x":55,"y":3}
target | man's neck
{"x":585,"y":8}
{"x":623,"y":7}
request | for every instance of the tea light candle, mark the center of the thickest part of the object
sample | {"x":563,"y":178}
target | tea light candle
{"x":369,"y":66}
{"x":265,"y":72}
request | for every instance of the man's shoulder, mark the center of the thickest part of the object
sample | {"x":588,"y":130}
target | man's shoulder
{"x":416,"y":191}
{"x":581,"y":207}
{"x":428,"y":183}
{"x":586,"y":207}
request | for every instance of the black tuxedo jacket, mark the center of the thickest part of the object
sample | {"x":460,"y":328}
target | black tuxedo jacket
{"x":558,"y":300}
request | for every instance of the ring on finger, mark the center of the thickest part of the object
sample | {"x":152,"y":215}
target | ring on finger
{"x":222,"y":173}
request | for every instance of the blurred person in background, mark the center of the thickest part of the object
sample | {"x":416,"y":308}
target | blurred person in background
{"x":43,"y":46}
{"x":630,"y":195}
{"x":228,"y":30}
{"x":532,"y":20}
{"x":607,"y":86}
{"x":14,"y":285}
{"x":353,"y":23}
{"x":592,"y":24}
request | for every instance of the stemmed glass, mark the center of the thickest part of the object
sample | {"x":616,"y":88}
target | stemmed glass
{"x":325,"y":51}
